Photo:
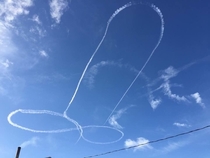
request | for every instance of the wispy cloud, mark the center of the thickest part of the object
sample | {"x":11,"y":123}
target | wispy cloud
{"x":174,"y":146}
{"x":198,"y":99}
{"x":57,"y":8}
{"x":113,"y":119}
{"x":43,"y":53}
{"x":169,"y":73}
{"x":154,"y":103}
{"x":36,"y":19}
{"x":7,"y":45}
{"x":181,"y":124}
{"x":6,"y":63}
{"x":167,"y":91}
{"x":10,"y":9}
{"x":38,"y":31}
{"x":166,"y":87}
{"x":33,"y":141}
{"x":129,"y":143}
{"x":93,"y":71}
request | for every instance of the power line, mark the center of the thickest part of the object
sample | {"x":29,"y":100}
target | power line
{"x":150,"y":142}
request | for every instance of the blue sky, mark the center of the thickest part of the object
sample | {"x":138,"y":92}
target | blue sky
{"x":82,"y":77}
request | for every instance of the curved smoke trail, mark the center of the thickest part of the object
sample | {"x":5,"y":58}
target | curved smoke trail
{"x":157,"y":10}
{"x":78,"y":127}
{"x":96,"y":50}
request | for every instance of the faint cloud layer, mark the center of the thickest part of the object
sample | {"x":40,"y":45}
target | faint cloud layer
{"x":33,"y":141}
{"x":181,"y":124}
{"x":174,"y":146}
{"x":129,"y":143}
{"x":7,"y":45}
{"x":57,"y":8}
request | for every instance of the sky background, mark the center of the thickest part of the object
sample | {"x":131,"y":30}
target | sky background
{"x":70,"y":111}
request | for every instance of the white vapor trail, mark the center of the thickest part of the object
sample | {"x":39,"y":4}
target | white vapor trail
{"x":157,"y":10}
{"x":105,"y":127}
{"x":9,"y":118}
{"x":96,"y":50}
{"x":78,"y":127}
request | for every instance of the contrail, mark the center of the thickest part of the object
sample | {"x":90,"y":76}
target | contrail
{"x":78,"y":127}
{"x":157,"y":10}
{"x":107,"y":127}
{"x":96,"y":50}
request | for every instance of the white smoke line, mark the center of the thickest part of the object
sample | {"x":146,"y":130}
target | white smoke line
{"x":96,"y":50}
{"x":79,"y":128}
{"x":107,"y":127}
{"x":157,"y":10}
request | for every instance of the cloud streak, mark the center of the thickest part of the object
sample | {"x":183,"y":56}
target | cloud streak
{"x":129,"y":143}
{"x":174,"y":146}
{"x":181,"y":124}
{"x":167,"y":91}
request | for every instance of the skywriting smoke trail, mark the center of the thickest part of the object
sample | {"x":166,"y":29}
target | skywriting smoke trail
{"x":78,"y":127}
{"x":157,"y":10}
{"x":96,"y":50}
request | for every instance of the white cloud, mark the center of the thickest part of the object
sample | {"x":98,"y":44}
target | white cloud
{"x":154,"y":103}
{"x":198,"y":99}
{"x":36,"y":19}
{"x":57,"y":8}
{"x":129,"y":143}
{"x":10,"y":9}
{"x":6,"y":63}
{"x":33,"y":141}
{"x":166,"y":75}
{"x":169,"y":73}
{"x":167,"y":91}
{"x":113,"y":119}
{"x":43,"y":53}
{"x":181,"y":124}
